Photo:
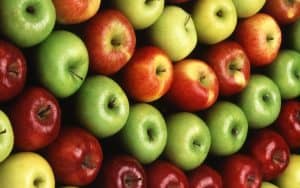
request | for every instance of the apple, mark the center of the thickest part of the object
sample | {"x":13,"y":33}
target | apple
{"x":174,"y":32}
{"x":75,"y":156}
{"x":194,"y":87}
{"x":268,"y":185}
{"x":31,"y":168}
{"x":27,"y":22}
{"x":188,"y":141}
{"x":231,"y":65}
{"x":110,"y":40}
{"x":163,"y":174}
{"x":13,"y":71}
{"x":260,"y":37}
{"x":285,"y":72}
{"x":215,"y":20}
{"x":177,"y":1}
{"x":148,"y":75}
{"x":75,"y":11}
{"x":292,"y":36}
{"x":261,"y":98}
{"x":101,"y":106}
{"x":64,"y":55}
{"x":247,"y":8}
{"x":140,"y":13}
{"x":6,"y":136}
{"x":228,"y":128}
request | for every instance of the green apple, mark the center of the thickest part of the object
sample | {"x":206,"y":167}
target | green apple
{"x":285,"y":72}
{"x":174,"y":32}
{"x":215,"y":20}
{"x":140,"y":13}
{"x":228,"y":128}
{"x":101,"y":106}
{"x":260,"y":101}
{"x":145,"y":134}
{"x":247,"y":8}
{"x":293,"y":34}
{"x":268,"y":185}
{"x":290,"y":177}
{"x":62,"y":63}
{"x":27,"y":22}
{"x":6,"y":136}
{"x":26,"y":170}
{"x":188,"y":140}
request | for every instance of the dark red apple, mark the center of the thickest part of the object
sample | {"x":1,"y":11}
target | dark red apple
{"x":205,"y":176}
{"x":75,"y":156}
{"x":163,"y":174}
{"x":35,"y":116}
{"x":177,"y":1}
{"x":13,"y":71}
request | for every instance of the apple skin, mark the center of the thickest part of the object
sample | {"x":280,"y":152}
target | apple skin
{"x":293,"y":32}
{"x":260,"y":37}
{"x":247,"y":8}
{"x":261,"y":98}
{"x":27,"y":22}
{"x":32,"y":169}
{"x":64,"y":55}
{"x":110,"y":40}
{"x":268,"y":185}
{"x":101,"y":106}
{"x":215,"y":20}
{"x":75,"y":156}
{"x":188,"y":134}
{"x":177,"y":1}
{"x":194,"y":87}
{"x":148,"y":75}
{"x":145,"y":133}
{"x":6,"y":136}
{"x":75,"y":11}
{"x":174,"y":32}
{"x":163,"y":174}
{"x":231,"y":65}
{"x":13,"y":71}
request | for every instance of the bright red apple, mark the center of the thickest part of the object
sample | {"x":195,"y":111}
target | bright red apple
{"x":148,"y":75}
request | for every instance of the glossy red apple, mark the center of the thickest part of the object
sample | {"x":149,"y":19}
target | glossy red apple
{"x":35,"y":116}
{"x":163,"y":174}
{"x":13,"y":71}
{"x":231,"y":66}
{"x":195,"y":86}
{"x":148,"y":75}
{"x":110,"y":40}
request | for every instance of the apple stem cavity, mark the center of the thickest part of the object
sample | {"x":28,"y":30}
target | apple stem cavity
{"x":150,"y":134}
{"x":12,"y":70}
{"x":131,"y":180}
{"x":115,"y":42}
{"x":160,"y":70}
{"x":44,"y":111}
{"x":88,"y":163}
{"x":234,"y":131}
{"x":37,"y":182}
{"x":187,"y":19}
{"x":3,"y":131}
{"x":112,"y":103}
{"x":278,"y":157}
{"x":76,"y":75}
{"x":269,"y":38}
{"x":250,"y":180}
{"x":30,"y":10}
{"x":219,"y":13}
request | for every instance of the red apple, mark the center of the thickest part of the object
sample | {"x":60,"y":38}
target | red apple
{"x":231,"y":66}
{"x":260,"y":37}
{"x":177,"y":1}
{"x":75,"y":156}
{"x":270,"y":150}
{"x":75,"y":11}
{"x":13,"y":70}
{"x":35,"y":116}
{"x":148,"y":75}
{"x":163,"y":174}
{"x":205,"y":177}
{"x":194,"y":87}
{"x":240,"y":171}
{"x":110,"y":40}
{"x":284,"y":11}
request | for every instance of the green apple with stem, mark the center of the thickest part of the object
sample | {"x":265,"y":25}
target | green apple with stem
{"x":144,"y":135}
{"x":247,"y":8}
{"x":6,"y":136}
{"x":268,"y":185}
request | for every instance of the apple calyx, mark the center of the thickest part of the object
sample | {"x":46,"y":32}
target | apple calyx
{"x":88,"y":162}
{"x":235,"y":131}
{"x":43,"y":112}
{"x":150,"y":134}
{"x":30,"y":9}
{"x":3,"y":131}
{"x":278,"y":157}
{"x":38,"y":182}
{"x":131,"y":181}
{"x":13,"y":70}
{"x":250,"y":180}
{"x":266,"y":97}
{"x":219,"y":13}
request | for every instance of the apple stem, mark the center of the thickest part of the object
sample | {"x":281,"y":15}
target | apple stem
{"x":3,"y":131}
{"x":160,"y":70}
{"x":269,"y":38}
{"x":76,"y":75}
{"x":112,"y":103}
{"x":234,"y":67}
{"x":44,"y":111}
{"x":115,"y":42}
{"x":187,"y":19}
{"x":30,"y":10}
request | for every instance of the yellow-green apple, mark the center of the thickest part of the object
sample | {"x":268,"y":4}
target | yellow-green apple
{"x":26,"y":22}
{"x":261,"y":98}
{"x":31,"y":168}
{"x":188,"y":141}
{"x":260,"y":37}
{"x":148,"y":75}
{"x":293,"y":33}
{"x":6,"y":136}
{"x":247,"y":8}
{"x":231,"y":65}
{"x":61,"y":63}
{"x":174,"y":32}
{"x":101,"y":106}
{"x":75,"y":11}
{"x":215,"y":20}
{"x":110,"y":40}
{"x":194,"y":87}
{"x":140,"y":13}
{"x":13,"y":71}
{"x":266,"y":184}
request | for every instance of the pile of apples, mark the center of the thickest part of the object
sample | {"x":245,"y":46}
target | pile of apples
{"x":149,"y":93}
